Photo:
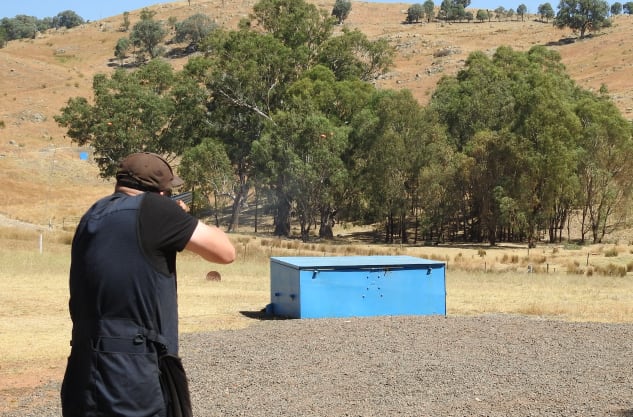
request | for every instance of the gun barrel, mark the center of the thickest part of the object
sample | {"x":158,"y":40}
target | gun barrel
{"x":186,"y":197}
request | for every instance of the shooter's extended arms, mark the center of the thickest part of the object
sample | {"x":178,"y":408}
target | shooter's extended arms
{"x":186,"y":197}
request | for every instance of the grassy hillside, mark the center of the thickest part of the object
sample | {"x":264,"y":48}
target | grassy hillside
{"x":45,"y":182}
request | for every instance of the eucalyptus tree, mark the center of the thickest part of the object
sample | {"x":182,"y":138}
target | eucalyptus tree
{"x":246,"y":74}
{"x":67,"y":19}
{"x":495,"y":184}
{"x":523,"y":102}
{"x":301,"y":158}
{"x":546,"y":12}
{"x":151,"y":109}
{"x":121,"y":49}
{"x":429,"y":10}
{"x":616,"y":8}
{"x":298,"y":25}
{"x":432,"y":203}
{"x":389,"y":160}
{"x":545,"y":100}
{"x":605,"y":169}
{"x":341,"y":10}
{"x":206,"y":170}
{"x":500,"y":13}
{"x":148,"y":33}
{"x":478,"y":98}
{"x":482,"y":15}
{"x":582,"y":15}
{"x":352,"y":55}
{"x":415,"y":12}
{"x":339,"y":101}
{"x":194,"y":29}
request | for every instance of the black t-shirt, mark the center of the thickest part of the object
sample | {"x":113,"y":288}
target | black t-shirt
{"x":164,"y":229}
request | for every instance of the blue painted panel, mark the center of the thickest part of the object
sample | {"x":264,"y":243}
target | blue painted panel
{"x":313,"y":287}
{"x":284,"y":291}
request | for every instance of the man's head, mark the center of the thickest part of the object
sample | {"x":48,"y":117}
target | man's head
{"x":146,"y":171}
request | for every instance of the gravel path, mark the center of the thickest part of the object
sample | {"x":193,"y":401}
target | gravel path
{"x":490,"y":366}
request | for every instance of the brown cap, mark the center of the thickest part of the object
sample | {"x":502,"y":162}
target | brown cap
{"x":148,"y":171}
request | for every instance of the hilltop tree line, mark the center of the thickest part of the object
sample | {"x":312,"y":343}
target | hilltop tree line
{"x":27,"y":27}
{"x":282,"y":116}
{"x":578,"y":15}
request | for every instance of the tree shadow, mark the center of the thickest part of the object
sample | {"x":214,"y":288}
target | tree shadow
{"x":561,"y":42}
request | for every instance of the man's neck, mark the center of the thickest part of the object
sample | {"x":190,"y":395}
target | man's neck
{"x":127,"y":190}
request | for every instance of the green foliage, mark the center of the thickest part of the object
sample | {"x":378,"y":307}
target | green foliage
{"x":582,"y":15}
{"x":429,"y":9}
{"x":296,"y":23}
{"x":134,"y":111}
{"x":148,"y":33}
{"x":605,"y":171}
{"x":524,"y":170}
{"x":121,"y":49}
{"x":194,"y":29}
{"x":415,"y":13}
{"x":353,"y":55}
{"x":126,"y":22}
{"x":500,"y":13}
{"x":246,"y":73}
{"x":341,"y":10}
{"x":546,"y":12}
{"x":454,"y":9}
{"x":26,"y":27}
{"x":206,"y":168}
{"x":67,"y":19}
{"x":301,"y":156}
{"x":616,"y":8}
{"x":482,"y":15}
{"x":20,"y":27}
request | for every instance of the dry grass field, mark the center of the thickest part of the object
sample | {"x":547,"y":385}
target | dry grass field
{"x":35,"y":327}
{"x":47,"y":186}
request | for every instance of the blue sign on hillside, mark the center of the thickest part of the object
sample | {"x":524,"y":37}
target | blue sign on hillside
{"x":356,"y":286}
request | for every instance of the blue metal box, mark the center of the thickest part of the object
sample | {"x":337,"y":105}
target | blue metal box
{"x":355,"y":286}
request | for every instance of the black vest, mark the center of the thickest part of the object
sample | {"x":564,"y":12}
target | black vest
{"x":124,"y":314}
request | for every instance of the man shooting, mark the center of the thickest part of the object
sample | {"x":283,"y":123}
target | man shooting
{"x":123,"y":300}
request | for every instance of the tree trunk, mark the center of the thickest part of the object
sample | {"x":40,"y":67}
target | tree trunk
{"x":327,"y":223}
{"x":282,"y":217}
{"x":240,"y":197}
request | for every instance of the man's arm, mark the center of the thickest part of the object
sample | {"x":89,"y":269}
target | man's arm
{"x":211,"y":244}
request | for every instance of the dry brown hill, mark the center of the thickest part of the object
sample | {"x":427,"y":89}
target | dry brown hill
{"x":45,"y":181}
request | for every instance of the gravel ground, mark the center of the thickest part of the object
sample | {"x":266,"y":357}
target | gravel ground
{"x":494,"y":365}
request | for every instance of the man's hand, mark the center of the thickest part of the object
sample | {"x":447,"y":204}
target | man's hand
{"x":183,"y":205}
{"x":183,"y":200}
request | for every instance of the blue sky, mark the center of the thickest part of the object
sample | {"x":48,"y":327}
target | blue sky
{"x":98,"y":9}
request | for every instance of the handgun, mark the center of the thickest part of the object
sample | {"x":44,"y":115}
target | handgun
{"x":186,"y":197}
